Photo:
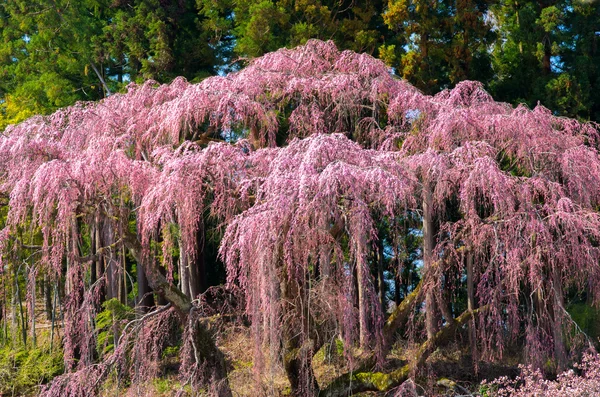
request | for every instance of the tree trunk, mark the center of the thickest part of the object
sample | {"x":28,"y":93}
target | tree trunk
{"x":444,"y":306}
{"x":208,"y":357}
{"x":184,"y":275}
{"x":546,"y":61}
{"x":48,"y":297}
{"x":397,"y":286}
{"x":32,"y":303}
{"x":560,"y":351}
{"x":198,"y":282}
{"x":208,"y":354}
{"x":145,"y":297}
{"x":100,"y":263}
{"x":297,"y":358}
{"x":471,"y":302}
{"x":302,"y":380}
{"x":516,"y":10}
{"x":112,"y":278}
{"x":380,"y":275}
{"x":94,"y":262}
{"x":3,"y":315}
{"x":20,"y":301}
{"x":196,"y":275}
{"x":401,"y":314}
{"x":363,"y":332}
{"x":431,"y":318}
{"x":123,"y":277}
{"x":53,"y":318}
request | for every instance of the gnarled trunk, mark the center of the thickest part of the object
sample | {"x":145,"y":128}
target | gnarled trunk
{"x":298,"y":344}
{"x":207,"y":354}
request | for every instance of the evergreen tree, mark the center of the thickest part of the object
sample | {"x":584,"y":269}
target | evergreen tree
{"x":441,"y":42}
{"x":577,"y":91}
{"x":266,"y":25}
{"x":152,"y":39}
{"x":53,"y":53}
{"x":45,"y":58}
{"x":527,"y":60}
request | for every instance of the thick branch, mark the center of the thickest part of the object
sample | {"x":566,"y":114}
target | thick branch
{"x":99,"y":252}
{"x":157,"y":281}
{"x":351,"y":383}
{"x":400,"y":315}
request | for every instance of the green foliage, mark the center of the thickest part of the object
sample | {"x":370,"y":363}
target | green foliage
{"x":44,"y":50}
{"x":56,"y":52}
{"x":53,"y":53}
{"x":260,"y":26}
{"x":109,"y":323}
{"x":170,"y":351}
{"x":152,"y":39}
{"x":587,"y":318}
{"x":547,"y":52}
{"x":441,"y":43}
{"x":488,"y":390}
{"x":23,"y":369}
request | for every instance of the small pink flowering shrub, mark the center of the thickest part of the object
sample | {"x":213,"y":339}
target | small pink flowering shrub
{"x":583,"y":381}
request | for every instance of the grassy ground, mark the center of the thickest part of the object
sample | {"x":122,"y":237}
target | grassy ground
{"x":449,"y":371}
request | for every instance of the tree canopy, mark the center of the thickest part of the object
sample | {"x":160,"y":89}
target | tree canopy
{"x":304,"y":175}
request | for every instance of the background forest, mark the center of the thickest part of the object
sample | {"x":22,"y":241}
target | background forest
{"x":299,"y":197}
{"x":53,"y":53}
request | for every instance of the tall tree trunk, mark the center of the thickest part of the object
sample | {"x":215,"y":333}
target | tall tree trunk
{"x":471,"y":302}
{"x":560,"y":351}
{"x":13,"y":310}
{"x":94,"y":263}
{"x":20,"y":301}
{"x":546,"y":60}
{"x":196,"y":274}
{"x":31,"y":274}
{"x":400,"y":315}
{"x":112,"y":276}
{"x":516,"y":10}
{"x":123,"y":277}
{"x":4,"y":314}
{"x":145,"y":297}
{"x":48,"y":297}
{"x":431,"y":318}
{"x":363,"y":332}
{"x":380,"y":275}
{"x":100,"y":261}
{"x":254,"y":137}
{"x":397,"y":286}
{"x":184,"y":274}
{"x":53,"y":318}
{"x":198,"y":282}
